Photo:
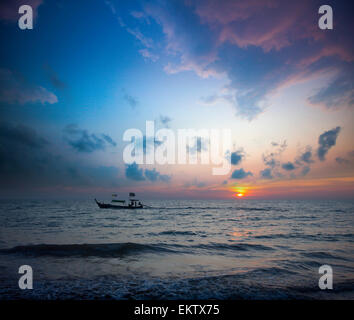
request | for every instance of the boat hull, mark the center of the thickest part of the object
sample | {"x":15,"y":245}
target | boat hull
{"x":102,"y":205}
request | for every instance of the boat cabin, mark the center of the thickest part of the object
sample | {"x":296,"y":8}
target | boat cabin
{"x":134,"y":203}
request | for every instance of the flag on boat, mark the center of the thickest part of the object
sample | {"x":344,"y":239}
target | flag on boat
{"x":131,"y":194}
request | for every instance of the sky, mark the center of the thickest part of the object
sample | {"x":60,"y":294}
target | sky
{"x":90,"y":70}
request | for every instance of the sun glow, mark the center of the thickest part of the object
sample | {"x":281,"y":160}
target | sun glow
{"x":239,"y":191}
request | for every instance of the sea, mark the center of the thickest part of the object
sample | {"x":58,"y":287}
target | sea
{"x":177,"y":249}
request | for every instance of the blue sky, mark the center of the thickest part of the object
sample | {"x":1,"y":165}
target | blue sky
{"x":89,"y":70}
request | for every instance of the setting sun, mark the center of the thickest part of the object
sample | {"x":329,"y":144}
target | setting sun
{"x":240,"y":195}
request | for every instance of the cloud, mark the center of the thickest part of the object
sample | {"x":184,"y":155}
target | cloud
{"x":9,"y":9}
{"x":27,"y":162}
{"x":289,"y":166}
{"x":54,"y":78}
{"x":133,"y":172}
{"x":306,"y":156}
{"x":339,"y":92}
{"x":165,"y":121}
{"x":271,"y":160}
{"x":148,"y":55}
{"x":132,"y":101}
{"x":148,"y":144}
{"x":304,"y":160}
{"x":154,"y":175}
{"x":195,"y":183}
{"x":83,"y":141}
{"x":241,"y":174}
{"x":259,"y":46}
{"x":14,"y":89}
{"x":341,"y":160}
{"x":326,"y":141}
{"x":266,"y":173}
{"x":305,"y":170}
{"x":236,"y":157}
{"x":147,"y":42}
{"x":198,"y":145}
{"x":20,"y":135}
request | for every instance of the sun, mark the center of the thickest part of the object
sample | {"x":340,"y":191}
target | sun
{"x":239,"y":191}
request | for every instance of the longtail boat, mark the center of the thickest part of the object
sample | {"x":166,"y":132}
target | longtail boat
{"x":132,"y":203}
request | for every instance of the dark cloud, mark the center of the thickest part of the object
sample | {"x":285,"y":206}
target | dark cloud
{"x":83,"y":141}
{"x":151,"y":175}
{"x":236,"y":157}
{"x":54,"y":78}
{"x":289,"y":166}
{"x":16,"y":89}
{"x":306,"y":156}
{"x":241,"y":174}
{"x":341,"y":160}
{"x":154,"y":175}
{"x":304,"y":160}
{"x":271,"y":160}
{"x":326,"y":141}
{"x":305,"y":170}
{"x":28,"y":162}
{"x":133,"y":172}
{"x":266,"y":173}
{"x":20,"y":135}
{"x":20,"y":152}
{"x":339,"y":92}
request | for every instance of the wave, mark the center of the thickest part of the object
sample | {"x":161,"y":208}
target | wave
{"x":223,"y":208}
{"x":111,"y":250}
{"x":235,"y":246}
{"x":85,"y":250}
{"x":249,"y":286}
{"x":178,"y":233}
{"x":323,"y":255}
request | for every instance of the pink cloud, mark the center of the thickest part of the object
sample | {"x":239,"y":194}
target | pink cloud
{"x":14,"y":89}
{"x":270,"y":24}
{"x":223,"y":38}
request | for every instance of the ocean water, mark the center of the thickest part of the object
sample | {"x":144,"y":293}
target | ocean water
{"x":235,"y":249}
